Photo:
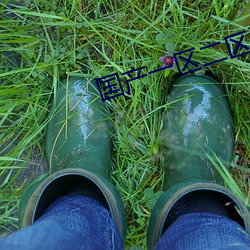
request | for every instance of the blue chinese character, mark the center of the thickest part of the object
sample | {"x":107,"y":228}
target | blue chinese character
{"x":133,"y":70}
{"x":187,"y":60}
{"x":239,"y":44}
{"x":162,"y":68}
{"x":213,"y":61}
{"x":109,"y":90}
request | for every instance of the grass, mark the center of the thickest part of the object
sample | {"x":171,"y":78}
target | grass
{"x":46,"y":41}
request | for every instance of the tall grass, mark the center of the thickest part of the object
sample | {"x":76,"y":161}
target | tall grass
{"x":43,"y":42}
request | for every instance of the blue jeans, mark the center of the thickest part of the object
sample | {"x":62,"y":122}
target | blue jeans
{"x":80,"y":222}
{"x":70,"y":223}
{"x":204,"y":231}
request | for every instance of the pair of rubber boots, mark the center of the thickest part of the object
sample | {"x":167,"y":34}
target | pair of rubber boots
{"x":197,"y":130}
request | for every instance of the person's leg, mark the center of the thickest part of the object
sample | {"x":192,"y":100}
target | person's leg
{"x":78,"y":149}
{"x":204,"y":231}
{"x":71,"y":222}
{"x":197,"y":137}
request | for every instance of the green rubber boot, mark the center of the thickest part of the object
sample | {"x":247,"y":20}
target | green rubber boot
{"x":78,"y":149}
{"x":197,"y":125}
